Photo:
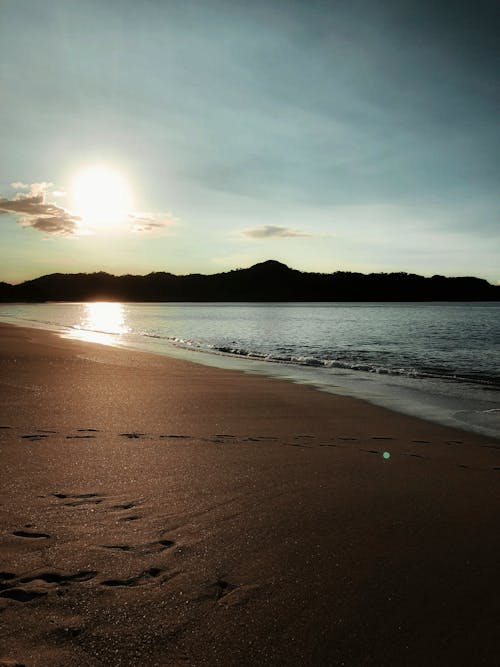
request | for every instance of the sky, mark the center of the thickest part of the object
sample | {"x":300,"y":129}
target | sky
{"x":206,"y":135}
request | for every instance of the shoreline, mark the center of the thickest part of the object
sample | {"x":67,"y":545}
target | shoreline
{"x":457,"y":405}
{"x":161,"y":511}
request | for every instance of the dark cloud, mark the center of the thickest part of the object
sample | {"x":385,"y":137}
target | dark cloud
{"x":33,"y":211}
{"x":22,"y":203}
{"x":60,"y":222}
{"x":273,"y":231}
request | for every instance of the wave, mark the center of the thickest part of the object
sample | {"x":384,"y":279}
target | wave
{"x":289,"y":356}
{"x":489,"y":381}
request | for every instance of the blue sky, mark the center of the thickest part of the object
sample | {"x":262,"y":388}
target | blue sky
{"x":328,"y":135}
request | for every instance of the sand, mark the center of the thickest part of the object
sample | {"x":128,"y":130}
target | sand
{"x":159,"y":512}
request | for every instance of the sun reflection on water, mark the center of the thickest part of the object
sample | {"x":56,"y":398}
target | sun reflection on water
{"x":101,"y":322}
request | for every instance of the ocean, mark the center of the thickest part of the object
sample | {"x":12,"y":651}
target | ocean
{"x":438,"y":361}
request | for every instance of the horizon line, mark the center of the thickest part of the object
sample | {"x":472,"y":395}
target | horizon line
{"x":257,"y":264}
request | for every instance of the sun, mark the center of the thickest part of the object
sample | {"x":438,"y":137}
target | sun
{"x":101,"y":196}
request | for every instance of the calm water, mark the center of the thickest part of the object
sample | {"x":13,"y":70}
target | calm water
{"x":440,"y":361}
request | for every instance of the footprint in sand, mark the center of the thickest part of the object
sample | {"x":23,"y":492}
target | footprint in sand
{"x":87,"y":501}
{"x":229,"y":594}
{"x":79,"y":437}
{"x":76,"y":495}
{"x":87,"y":430}
{"x":382,"y":437}
{"x":222,"y":588}
{"x":370,"y":451}
{"x":236,"y":595}
{"x":166,"y":544}
{"x":226,"y":593}
{"x":152,"y":547}
{"x":34,"y":436}
{"x":143,"y":577}
{"x":132,"y":436}
{"x":79,"y":499}
{"x":124,"y":506}
{"x":31,"y":534}
{"x":175,"y":435}
{"x":59,"y":577}
{"x":223,"y":438}
{"x":68,"y":628}
{"x":119,"y":547}
{"x":22,"y":594}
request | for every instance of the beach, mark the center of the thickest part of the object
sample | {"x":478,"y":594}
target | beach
{"x":157,"y":511}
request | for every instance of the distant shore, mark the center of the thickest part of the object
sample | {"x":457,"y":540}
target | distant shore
{"x":263,"y":282}
{"x":157,"y":511}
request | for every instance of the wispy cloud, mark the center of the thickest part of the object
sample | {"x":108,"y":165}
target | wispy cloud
{"x":33,"y":211}
{"x":150,"y":222}
{"x":273,"y":231}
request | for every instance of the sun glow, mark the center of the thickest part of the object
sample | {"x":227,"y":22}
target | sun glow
{"x":101,"y":196}
{"x":101,"y":322}
{"x":104,"y":317}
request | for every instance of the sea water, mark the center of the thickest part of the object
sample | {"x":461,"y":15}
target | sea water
{"x":439,"y":361}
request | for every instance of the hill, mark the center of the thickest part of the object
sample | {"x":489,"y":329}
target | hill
{"x":266,"y":281}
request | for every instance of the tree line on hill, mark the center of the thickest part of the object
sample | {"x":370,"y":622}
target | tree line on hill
{"x":263,"y":282}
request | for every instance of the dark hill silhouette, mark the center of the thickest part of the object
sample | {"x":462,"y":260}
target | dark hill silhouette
{"x":266,"y":281}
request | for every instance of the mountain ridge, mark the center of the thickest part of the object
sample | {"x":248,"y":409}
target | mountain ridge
{"x":265,"y":281}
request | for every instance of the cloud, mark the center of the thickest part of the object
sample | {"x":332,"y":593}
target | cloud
{"x":150,"y":222}
{"x":33,"y":211}
{"x":39,"y":188}
{"x":58,"y":222}
{"x":273,"y":231}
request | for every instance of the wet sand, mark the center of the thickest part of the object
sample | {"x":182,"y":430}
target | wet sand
{"x":159,"y":512}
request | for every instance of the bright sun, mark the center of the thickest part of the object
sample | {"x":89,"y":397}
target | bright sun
{"x":101,"y":196}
